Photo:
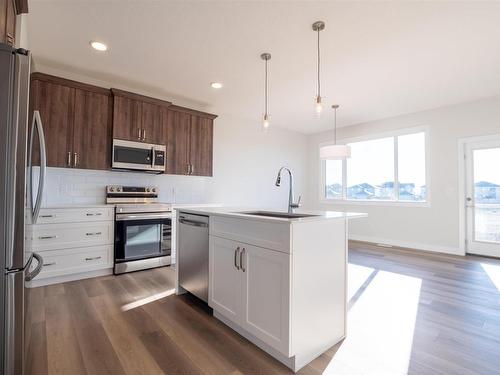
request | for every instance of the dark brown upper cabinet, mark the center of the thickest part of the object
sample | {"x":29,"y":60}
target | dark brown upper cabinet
{"x":92,"y":129}
{"x":138,"y":118}
{"x":76,"y":119}
{"x":190,"y":142}
{"x":8,"y":11}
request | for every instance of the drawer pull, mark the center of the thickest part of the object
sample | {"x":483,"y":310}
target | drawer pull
{"x":47,"y":216}
{"x":93,"y":258}
{"x":94,"y":214}
{"x":93,"y":233}
{"x":49,"y":264}
{"x":46,"y":237}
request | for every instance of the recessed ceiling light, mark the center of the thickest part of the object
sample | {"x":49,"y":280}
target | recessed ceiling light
{"x":99,"y":46}
{"x":216,"y":85}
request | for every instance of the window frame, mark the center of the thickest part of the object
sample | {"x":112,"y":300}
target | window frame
{"x":393,"y":202}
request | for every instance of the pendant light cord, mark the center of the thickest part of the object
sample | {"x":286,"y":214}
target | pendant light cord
{"x":335,"y":126}
{"x":319,"y":84}
{"x":266,"y":91}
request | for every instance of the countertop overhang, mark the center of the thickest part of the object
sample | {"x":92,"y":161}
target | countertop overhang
{"x":239,"y":212}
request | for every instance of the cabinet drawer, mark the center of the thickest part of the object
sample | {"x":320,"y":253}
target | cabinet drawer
{"x":275,"y":236}
{"x":65,"y":215}
{"x":62,"y":262}
{"x":63,"y":236}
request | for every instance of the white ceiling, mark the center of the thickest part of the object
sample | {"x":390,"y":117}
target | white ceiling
{"x":380,"y":59}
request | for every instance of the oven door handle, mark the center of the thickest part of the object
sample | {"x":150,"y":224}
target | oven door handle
{"x":125,"y":217}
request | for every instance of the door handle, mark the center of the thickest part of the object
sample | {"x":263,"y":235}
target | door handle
{"x":30,"y":276}
{"x":192,"y":168}
{"x":69,"y":159}
{"x":46,"y":237}
{"x":241,"y":259}
{"x":93,"y":258}
{"x":75,"y":159}
{"x":188,"y":168}
{"x":139,"y":134}
{"x":236,"y":251}
{"x":143,"y":134}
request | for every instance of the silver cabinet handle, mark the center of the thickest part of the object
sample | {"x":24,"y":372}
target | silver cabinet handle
{"x":192,"y":168}
{"x":236,"y":258}
{"x":94,"y":214}
{"x":139,"y":134}
{"x":143,"y":134}
{"x":69,"y":159}
{"x":49,"y":264}
{"x":46,"y":237}
{"x":93,"y":258}
{"x":75,"y":159}
{"x":241,"y":259}
{"x":187,"y":165}
{"x":93,"y":233}
{"x":47,"y":216}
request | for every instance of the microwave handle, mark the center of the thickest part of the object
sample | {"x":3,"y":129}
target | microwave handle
{"x":153,"y":157}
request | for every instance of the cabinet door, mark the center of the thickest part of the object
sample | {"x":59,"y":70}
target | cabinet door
{"x":10,"y":23}
{"x":3,"y":19}
{"x":92,"y":130}
{"x":178,"y":124}
{"x":225,"y":280}
{"x":56,"y":105}
{"x":266,"y":292}
{"x":201,"y":146}
{"x":152,"y":126}
{"x":126,"y":118}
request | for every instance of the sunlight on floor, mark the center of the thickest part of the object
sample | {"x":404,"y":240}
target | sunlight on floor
{"x":357,"y":277}
{"x":380,"y":327}
{"x":493,"y":272}
{"x":144,"y":301}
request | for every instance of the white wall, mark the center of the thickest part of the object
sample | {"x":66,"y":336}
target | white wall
{"x":246,"y":163}
{"x":434,"y":228}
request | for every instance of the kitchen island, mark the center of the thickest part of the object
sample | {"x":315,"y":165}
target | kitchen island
{"x":279,"y":279}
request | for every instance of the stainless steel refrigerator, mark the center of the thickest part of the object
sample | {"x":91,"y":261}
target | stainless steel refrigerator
{"x":20,"y":203}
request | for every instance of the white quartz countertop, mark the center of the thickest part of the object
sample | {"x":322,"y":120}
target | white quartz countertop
{"x":239,"y":212}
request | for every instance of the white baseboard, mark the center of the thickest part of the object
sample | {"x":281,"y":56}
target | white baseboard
{"x":410,"y":245}
{"x":64,"y":278}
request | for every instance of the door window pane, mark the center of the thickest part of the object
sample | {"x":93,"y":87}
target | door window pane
{"x":411,"y":167}
{"x":370,"y":170}
{"x":333,"y":179}
{"x":487,"y":195}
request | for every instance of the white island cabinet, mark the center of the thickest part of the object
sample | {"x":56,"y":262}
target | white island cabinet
{"x":280,"y":282}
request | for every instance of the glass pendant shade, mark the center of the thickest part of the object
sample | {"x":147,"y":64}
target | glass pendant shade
{"x":335,"y":152}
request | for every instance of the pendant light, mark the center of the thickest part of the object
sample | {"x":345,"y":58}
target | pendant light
{"x":265,"y":119}
{"x":335,"y":151}
{"x":318,"y":26}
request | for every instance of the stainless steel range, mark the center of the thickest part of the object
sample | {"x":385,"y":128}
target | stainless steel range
{"x":143,"y":228}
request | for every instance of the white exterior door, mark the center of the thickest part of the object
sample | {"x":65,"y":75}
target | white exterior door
{"x":225,"y":281}
{"x":266,"y":293}
{"x":483,"y":197}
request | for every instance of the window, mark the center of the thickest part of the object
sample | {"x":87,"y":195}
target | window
{"x":392,"y":168}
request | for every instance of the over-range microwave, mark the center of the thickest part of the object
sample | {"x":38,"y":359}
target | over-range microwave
{"x":145,"y":157}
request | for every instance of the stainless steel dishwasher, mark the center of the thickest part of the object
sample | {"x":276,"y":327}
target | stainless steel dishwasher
{"x":192,"y":257}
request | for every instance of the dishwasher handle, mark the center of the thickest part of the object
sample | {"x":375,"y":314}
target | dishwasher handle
{"x":193,"y":223}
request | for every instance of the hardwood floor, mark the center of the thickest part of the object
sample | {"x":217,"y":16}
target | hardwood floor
{"x":408,"y":313}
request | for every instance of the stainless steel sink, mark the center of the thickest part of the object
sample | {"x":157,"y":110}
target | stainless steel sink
{"x":283,"y":215}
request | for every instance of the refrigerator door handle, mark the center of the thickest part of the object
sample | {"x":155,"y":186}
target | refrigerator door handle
{"x":31,"y":275}
{"x":36,"y":204}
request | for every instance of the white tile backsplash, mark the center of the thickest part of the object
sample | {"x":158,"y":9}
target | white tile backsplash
{"x":64,"y":186}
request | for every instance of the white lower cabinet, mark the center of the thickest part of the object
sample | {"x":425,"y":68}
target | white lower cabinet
{"x":74,"y":243}
{"x":266,"y":295}
{"x":250,"y":286}
{"x":225,"y":291}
